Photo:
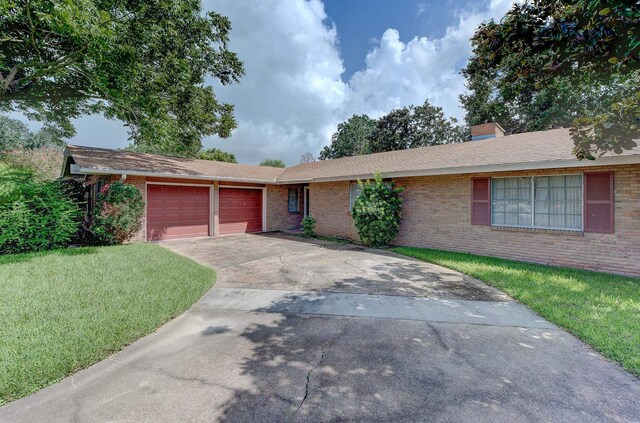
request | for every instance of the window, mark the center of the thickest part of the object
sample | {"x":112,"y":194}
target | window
{"x":354,"y":192}
{"x":545,"y":202}
{"x":294,"y":204}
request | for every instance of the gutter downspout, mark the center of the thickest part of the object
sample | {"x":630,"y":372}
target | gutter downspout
{"x":123,"y":178}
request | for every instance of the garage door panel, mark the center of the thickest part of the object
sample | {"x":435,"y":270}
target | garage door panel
{"x":177,"y":211}
{"x":240,"y":210}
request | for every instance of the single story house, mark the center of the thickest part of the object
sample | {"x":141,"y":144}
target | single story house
{"x":522,"y":196}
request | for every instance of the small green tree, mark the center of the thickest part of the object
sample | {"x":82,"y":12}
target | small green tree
{"x":377,"y":212}
{"x":217,"y":155}
{"x":308,"y":226}
{"x":273,"y":163}
{"x":118,"y":214}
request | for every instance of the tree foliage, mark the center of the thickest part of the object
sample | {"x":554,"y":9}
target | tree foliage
{"x":217,"y":155}
{"x":15,"y":135}
{"x":273,"y":163}
{"x":377,"y":212}
{"x":144,"y":63}
{"x":350,"y":139}
{"x":560,"y":63}
{"x":414,"y":126}
{"x":408,"y":127}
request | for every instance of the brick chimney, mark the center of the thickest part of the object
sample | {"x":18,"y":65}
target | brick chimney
{"x":485,"y":131}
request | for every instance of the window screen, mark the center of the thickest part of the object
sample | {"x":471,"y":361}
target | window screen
{"x":354,"y":192}
{"x":511,"y":202}
{"x":558,"y":202}
{"x":294,"y":204}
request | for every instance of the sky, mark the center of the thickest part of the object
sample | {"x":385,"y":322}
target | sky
{"x":310,"y":64}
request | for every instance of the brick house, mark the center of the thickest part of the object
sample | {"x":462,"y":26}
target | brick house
{"x":522,"y":196}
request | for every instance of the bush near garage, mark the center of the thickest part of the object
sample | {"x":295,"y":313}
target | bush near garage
{"x":35,"y":215}
{"x":377,"y":212}
{"x":118,"y":213}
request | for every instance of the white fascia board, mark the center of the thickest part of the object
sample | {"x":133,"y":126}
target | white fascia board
{"x":603,"y":161}
{"x":93,"y":171}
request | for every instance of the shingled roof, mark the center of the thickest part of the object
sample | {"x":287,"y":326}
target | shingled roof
{"x":91,"y":160}
{"x":532,"y":150}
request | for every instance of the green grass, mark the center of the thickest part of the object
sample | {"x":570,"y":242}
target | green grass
{"x":64,"y":310}
{"x":601,"y":309}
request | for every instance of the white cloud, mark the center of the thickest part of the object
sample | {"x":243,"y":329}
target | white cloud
{"x":292,"y":97}
{"x":398,"y":73}
{"x":287,"y":102}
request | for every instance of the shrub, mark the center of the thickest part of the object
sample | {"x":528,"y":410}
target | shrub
{"x":309,"y":226}
{"x":118,"y":213}
{"x":377,"y":212}
{"x":34,"y":215}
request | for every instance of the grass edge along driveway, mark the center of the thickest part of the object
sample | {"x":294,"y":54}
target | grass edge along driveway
{"x":63,"y":310}
{"x":601,"y":309}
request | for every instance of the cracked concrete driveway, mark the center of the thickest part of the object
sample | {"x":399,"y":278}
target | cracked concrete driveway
{"x":312,"y":331}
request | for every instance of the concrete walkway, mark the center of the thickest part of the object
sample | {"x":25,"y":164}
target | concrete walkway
{"x":309,"y":332}
{"x":490,"y":313}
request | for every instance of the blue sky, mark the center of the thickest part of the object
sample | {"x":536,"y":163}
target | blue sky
{"x":361,"y":22}
{"x":310,"y":64}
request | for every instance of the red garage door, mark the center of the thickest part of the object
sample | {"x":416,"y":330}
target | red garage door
{"x":240,"y":210}
{"x":177,"y":211}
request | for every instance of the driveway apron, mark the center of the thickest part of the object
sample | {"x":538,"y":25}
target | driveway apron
{"x":297,"y":330}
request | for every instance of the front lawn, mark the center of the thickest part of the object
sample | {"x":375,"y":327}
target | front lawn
{"x":64,"y":310}
{"x":601,"y":309}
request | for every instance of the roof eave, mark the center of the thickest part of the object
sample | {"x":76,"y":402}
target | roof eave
{"x":75,"y":169}
{"x":506,"y":167}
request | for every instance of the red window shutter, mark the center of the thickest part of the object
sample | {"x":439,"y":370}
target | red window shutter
{"x":598,"y":202}
{"x":480,"y":201}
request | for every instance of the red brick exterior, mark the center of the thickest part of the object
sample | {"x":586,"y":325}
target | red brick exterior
{"x":437,"y":214}
{"x":278,"y":216}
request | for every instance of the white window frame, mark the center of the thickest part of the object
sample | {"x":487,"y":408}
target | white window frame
{"x":533,"y":204}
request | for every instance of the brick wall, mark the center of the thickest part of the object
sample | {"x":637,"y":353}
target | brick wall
{"x":329,"y":205}
{"x":437,"y":214}
{"x":278,"y":216}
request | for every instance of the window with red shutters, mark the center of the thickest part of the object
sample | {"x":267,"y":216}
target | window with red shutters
{"x":480,"y":201}
{"x":598,"y":202}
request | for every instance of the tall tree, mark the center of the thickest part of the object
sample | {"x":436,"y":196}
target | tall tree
{"x":550,"y":61}
{"x":414,"y":126}
{"x":273,"y":163}
{"x":145,"y":63}
{"x":350,"y":139}
{"x":15,"y":135}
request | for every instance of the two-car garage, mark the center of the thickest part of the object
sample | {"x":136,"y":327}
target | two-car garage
{"x":184,"y":211}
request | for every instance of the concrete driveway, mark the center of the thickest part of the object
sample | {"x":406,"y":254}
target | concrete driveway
{"x":312,"y":331}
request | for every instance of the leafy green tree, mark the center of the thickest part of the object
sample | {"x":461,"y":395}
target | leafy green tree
{"x":558,"y":62}
{"x":414,"y":126}
{"x":15,"y":135}
{"x":350,"y":139}
{"x":377,"y":212}
{"x":217,"y":155}
{"x":144,"y":63}
{"x":273,"y":163}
